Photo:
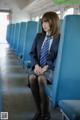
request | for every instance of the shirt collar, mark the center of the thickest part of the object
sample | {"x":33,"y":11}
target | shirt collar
{"x":48,"y":35}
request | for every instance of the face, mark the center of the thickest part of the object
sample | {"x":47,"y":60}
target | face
{"x":46,"y":26}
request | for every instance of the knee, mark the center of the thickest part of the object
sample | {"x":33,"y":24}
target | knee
{"x":32,"y":79}
{"x":41,"y":80}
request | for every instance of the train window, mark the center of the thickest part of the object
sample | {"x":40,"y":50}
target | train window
{"x":68,"y":12}
{"x":4,"y":21}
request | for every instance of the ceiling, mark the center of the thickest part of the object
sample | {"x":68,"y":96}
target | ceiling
{"x":39,"y":6}
{"x":11,"y":4}
{"x":32,"y":7}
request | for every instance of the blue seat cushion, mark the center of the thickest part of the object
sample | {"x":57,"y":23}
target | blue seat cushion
{"x":71,"y":108}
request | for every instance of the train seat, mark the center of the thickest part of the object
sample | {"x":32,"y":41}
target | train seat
{"x":39,"y":28}
{"x":9,"y":32}
{"x":66,"y":83}
{"x":70,"y":109}
{"x":21,"y":38}
{"x":30,"y":35}
{"x":12,"y":35}
{"x":16,"y":38}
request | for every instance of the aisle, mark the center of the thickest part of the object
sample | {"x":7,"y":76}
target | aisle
{"x":17,"y":98}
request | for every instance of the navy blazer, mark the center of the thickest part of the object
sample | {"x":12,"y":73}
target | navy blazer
{"x":36,"y":48}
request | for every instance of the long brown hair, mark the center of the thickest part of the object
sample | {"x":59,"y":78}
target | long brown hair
{"x":53,"y":20}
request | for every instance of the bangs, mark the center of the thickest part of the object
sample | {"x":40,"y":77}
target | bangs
{"x":44,"y":19}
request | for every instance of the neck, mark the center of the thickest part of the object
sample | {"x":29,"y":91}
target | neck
{"x":47,"y":33}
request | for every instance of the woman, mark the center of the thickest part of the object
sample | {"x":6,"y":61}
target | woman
{"x":43,"y":55}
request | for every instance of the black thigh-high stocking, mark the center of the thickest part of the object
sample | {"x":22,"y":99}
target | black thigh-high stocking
{"x":35,"y":91}
{"x":44,"y":98}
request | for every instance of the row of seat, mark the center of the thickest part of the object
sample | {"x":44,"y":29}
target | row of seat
{"x":20,"y":37}
{"x":66,"y":78}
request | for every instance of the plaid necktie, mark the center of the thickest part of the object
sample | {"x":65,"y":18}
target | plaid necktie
{"x":44,"y":52}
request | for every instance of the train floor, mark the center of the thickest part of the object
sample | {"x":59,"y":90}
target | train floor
{"x":15,"y":97}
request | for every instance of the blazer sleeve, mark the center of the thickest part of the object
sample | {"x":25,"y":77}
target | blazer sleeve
{"x":33,"y":52}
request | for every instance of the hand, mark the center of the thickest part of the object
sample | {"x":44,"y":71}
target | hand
{"x":38,"y":69}
{"x":44,"y":68}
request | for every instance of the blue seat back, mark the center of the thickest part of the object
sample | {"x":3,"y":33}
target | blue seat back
{"x":16,"y":37}
{"x":12,"y":35}
{"x":39,"y":29}
{"x":30,"y":35}
{"x":9,"y":33}
{"x":21,"y":40}
{"x":18,"y":26}
{"x":66,"y":78}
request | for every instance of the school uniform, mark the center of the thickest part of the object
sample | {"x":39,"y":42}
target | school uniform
{"x":52,"y":54}
{"x":37,"y":87}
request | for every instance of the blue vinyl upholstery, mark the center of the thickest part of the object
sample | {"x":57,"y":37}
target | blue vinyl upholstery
{"x":30,"y":35}
{"x":21,"y":38}
{"x":39,"y":26}
{"x":66,"y":78}
{"x":70,"y":108}
{"x":8,"y":35}
{"x":16,"y":37}
{"x":12,"y":35}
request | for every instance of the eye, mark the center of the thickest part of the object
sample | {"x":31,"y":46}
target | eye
{"x":44,"y":20}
